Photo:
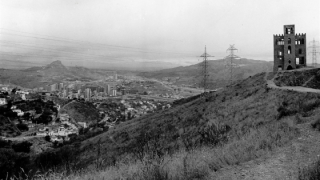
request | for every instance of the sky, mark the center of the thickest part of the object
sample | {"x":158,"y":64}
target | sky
{"x":106,"y":33}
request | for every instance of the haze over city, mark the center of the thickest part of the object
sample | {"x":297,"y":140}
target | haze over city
{"x":106,"y":34}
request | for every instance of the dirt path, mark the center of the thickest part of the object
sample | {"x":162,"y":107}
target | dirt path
{"x":271,"y":84}
{"x":284,"y":163}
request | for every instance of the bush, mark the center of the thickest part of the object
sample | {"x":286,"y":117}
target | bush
{"x":284,"y":110}
{"x":5,"y":144}
{"x":12,"y":164}
{"x":316,"y":124}
{"x":23,"y":127}
{"x":65,"y":157}
{"x":22,"y":147}
{"x":310,"y":173}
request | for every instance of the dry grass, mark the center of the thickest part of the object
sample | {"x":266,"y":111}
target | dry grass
{"x":260,"y":120}
{"x":199,"y":163}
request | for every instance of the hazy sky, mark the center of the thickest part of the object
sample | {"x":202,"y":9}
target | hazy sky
{"x":102,"y":32}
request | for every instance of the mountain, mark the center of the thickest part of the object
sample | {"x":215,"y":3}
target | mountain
{"x":218,"y":73}
{"x":51,"y":73}
{"x":121,"y":65}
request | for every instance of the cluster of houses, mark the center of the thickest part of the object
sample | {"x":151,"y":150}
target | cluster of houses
{"x":62,"y":132}
{"x":127,"y":109}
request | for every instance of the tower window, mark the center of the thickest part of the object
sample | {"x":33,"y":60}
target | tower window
{"x":302,"y":41}
{"x":300,"y":51}
{"x":289,"y":40}
{"x":289,"y":49}
{"x":289,"y":31}
{"x":301,"y":60}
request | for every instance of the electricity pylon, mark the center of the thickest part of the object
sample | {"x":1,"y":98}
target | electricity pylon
{"x":205,"y":74}
{"x":314,"y":52}
{"x":229,"y":62}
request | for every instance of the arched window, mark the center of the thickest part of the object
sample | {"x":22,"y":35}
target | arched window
{"x":289,"y":49}
{"x":289,"y":40}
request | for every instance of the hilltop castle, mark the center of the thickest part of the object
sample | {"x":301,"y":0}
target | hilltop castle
{"x":289,"y":50}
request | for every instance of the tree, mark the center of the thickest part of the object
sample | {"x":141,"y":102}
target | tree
{"x":23,"y":127}
{"x":22,"y":147}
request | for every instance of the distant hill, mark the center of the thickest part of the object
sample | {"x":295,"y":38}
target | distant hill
{"x":218,"y":73}
{"x":81,"y":112}
{"x":51,"y":73}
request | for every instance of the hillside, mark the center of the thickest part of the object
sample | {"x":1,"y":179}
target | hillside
{"x":307,"y":78}
{"x":242,"y":131}
{"x":51,"y":73}
{"x":7,"y":128}
{"x":81,"y":112}
{"x":218,"y":74}
{"x":248,"y":117}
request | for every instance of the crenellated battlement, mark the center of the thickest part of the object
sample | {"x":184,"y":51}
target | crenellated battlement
{"x":278,"y":35}
{"x":301,"y":34}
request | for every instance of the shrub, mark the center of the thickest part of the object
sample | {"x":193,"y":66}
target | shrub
{"x":284,"y":110}
{"x":5,"y":144}
{"x":22,"y":147}
{"x":316,"y":124}
{"x":23,"y":127}
{"x":12,"y":164}
{"x":311,"y":172}
{"x":310,"y":105}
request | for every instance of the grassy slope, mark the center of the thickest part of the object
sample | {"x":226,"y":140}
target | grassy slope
{"x":7,"y":128}
{"x":242,"y":107}
{"x":261,"y":121}
{"x":306,"y":78}
{"x":81,"y":112}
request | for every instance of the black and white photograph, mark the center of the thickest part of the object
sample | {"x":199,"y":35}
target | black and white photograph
{"x":159,"y":90}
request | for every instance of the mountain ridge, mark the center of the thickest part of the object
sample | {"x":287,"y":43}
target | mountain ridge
{"x":218,"y":73}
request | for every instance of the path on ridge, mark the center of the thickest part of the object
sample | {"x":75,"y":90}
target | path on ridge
{"x":271,"y":84}
{"x":284,"y":162}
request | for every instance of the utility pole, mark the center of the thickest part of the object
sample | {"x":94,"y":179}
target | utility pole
{"x":229,"y":62}
{"x":314,"y":52}
{"x":204,"y":72}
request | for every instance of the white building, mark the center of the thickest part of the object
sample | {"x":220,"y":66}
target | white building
{"x":114,"y":92}
{"x":3,"y":101}
{"x":83,"y":124}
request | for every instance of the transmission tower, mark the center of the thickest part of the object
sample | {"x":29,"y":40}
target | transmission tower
{"x":314,"y":52}
{"x":230,"y":65}
{"x":204,"y":72}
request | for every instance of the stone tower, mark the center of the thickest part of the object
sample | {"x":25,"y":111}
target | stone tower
{"x":289,"y":49}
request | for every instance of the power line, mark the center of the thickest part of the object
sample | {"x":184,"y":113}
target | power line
{"x":314,"y":52}
{"x":53,"y":38}
{"x":204,"y":72}
{"x":56,"y":50}
{"x":229,"y":62}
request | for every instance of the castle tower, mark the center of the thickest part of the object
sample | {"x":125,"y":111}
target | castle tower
{"x":289,"y":49}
